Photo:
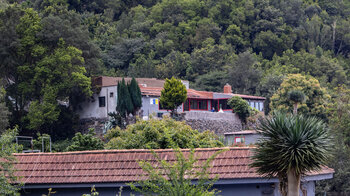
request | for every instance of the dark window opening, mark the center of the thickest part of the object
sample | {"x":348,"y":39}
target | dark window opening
{"x":223,"y":104}
{"x":102,"y":101}
{"x":198,"y":104}
{"x":194,"y":104}
{"x":111,"y":94}
{"x":214,"y":105}
{"x":202,"y":104}
{"x":186,"y":105}
{"x":159,"y":115}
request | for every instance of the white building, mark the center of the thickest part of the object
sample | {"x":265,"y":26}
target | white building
{"x":104,"y":100}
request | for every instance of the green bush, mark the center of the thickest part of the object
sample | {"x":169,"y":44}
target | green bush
{"x":240,"y":107}
{"x":85,"y":142}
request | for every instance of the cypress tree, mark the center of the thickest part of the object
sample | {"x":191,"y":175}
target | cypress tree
{"x":135,"y":94}
{"x":124,"y":105}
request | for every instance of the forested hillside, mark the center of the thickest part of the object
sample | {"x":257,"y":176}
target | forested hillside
{"x":250,"y":44}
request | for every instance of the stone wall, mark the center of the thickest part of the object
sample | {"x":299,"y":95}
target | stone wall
{"x":220,"y":123}
{"x":95,"y":123}
{"x":98,"y":124}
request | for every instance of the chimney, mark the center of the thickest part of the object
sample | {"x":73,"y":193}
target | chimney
{"x":227,"y":88}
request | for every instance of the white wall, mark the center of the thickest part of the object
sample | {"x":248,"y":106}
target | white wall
{"x":153,"y":109}
{"x":91,"y":109}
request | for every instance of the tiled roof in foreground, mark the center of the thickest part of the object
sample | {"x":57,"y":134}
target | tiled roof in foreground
{"x":115,"y":166}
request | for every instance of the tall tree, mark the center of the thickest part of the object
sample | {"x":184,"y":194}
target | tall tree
{"x":7,"y":159}
{"x":4,"y":112}
{"x":174,"y":93}
{"x":135,"y":94}
{"x":244,"y":73}
{"x":316,"y":97}
{"x":124,"y":103}
{"x":291,"y":146}
{"x":39,"y":75}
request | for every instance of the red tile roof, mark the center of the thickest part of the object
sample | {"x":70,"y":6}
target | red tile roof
{"x":113,"y":166}
{"x":113,"y":81}
{"x":193,"y":94}
{"x":243,"y":96}
{"x":244,"y":132}
{"x":153,"y":87}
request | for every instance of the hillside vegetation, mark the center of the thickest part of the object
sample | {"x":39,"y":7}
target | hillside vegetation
{"x":50,"y":49}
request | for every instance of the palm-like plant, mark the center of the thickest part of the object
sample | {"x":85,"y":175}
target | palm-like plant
{"x":291,"y":146}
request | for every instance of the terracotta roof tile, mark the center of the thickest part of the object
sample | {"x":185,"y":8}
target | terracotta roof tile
{"x":113,"y":81}
{"x":191,"y":93}
{"x":153,"y":87}
{"x":244,"y":132}
{"x":122,"y":165}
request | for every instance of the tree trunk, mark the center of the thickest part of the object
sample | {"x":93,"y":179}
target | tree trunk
{"x":334,"y":26}
{"x":293,"y":183}
{"x":295,"y":109}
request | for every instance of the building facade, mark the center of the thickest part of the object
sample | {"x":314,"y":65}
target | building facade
{"x":104,"y":100}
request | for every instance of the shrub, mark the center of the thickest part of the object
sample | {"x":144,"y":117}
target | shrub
{"x":240,"y":107}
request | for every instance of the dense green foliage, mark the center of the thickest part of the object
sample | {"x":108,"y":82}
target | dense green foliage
{"x":160,"y":134}
{"x":291,"y":143}
{"x":316,"y":97}
{"x":125,"y":105}
{"x":4,"y":113}
{"x":180,"y":172}
{"x":340,"y":125}
{"x":135,"y":94}
{"x":173,"y":94}
{"x":42,"y":72}
{"x":250,"y":44}
{"x":6,"y":163}
{"x":87,"y":141}
{"x":240,"y":107}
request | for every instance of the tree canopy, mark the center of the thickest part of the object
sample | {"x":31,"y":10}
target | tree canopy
{"x":250,"y":44}
{"x":87,"y":141}
{"x":240,"y":107}
{"x":7,"y":159}
{"x":173,"y":94}
{"x":316,"y":97}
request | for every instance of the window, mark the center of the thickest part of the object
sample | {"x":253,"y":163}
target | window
{"x":239,"y":139}
{"x":223,"y":104}
{"x":194,"y":104}
{"x":160,"y":115}
{"x":198,"y":104}
{"x":214,"y":104}
{"x":186,"y":105}
{"x":111,"y":94}
{"x":261,"y":106}
{"x":203,"y":104}
{"x":102,"y":101}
